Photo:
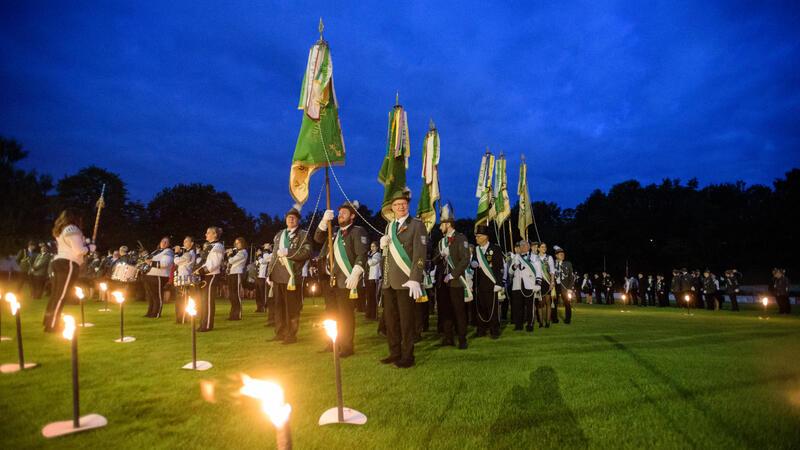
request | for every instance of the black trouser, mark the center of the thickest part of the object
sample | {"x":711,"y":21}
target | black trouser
{"x":261,"y":294}
{"x":208,"y":306}
{"x":734,"y":302}
{"x":399,"y":312}
{"x":554,"y":312}
{"x":522,"y":308}
{"x":487,"y":311}
{"x":784,"y":307}
{"x":609,"y":297}
{"x":371,"y":311}
{"x":504,"y":306}
{"x":287,"y":311}
{"x":37,"y":285}
{"x":66,"y":272}
{"x":344,"y":313}
{"x":154,"y":289}
{"x":598,"y":294}
{"x":709,"y":299}
{"x":423,"y":313}
{"x":235,"y":295}
{"x":563,"y":294}
{"x":450,"y":302}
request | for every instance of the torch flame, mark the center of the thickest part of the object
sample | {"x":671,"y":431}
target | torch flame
{"x":191,"y":308}
{"x":330,"y":329}
{"x":764,"y":301}
{"x":79,"y":292}
{"x":103,"y":286}
{"x":13,"y":303}
{"x":69,"y":327}
{"x":270,"y":395}
{"x":624,"y":297}
{"x":686,"y":297}
{"x":118,"y":297}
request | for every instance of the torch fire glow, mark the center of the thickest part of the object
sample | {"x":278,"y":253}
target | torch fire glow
{"x":69,"y":327}
{"x":191,"y":307}
{"x":118,"y":297}
{"x":13,"y":303}
{"x":273,"y":405}
{"x":330,"y":329}
{"x":104,"y":293}
{"x":765,"y":301}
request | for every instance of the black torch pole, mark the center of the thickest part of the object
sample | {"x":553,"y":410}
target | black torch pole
{"x":339,"y":404}
{"x":75,"y":394}
{"x":122,"y":322}
{"x":83,"y":317}
{"x":194,"y":346}
{"x":19,"y":341}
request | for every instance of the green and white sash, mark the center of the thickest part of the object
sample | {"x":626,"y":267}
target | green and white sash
{"x":399,"y":255}
{"x":340,"y":255}
{"x":484,"y":265}
{"x":443,"y":244}
{"x":284,"y":243}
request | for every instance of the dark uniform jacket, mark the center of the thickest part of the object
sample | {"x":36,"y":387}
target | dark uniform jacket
{"x":459,"y":253}
{"x":565,"y":273}
{"x":299,"y":251}
{"x":494,"y":255}
{"x":780,"y":286}
{"x":414,"y":238}
{"x":355,"y":246}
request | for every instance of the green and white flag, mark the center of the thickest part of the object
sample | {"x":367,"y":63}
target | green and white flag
{"x":502,"y":205}
{"x":525,"y":215}
{"x":393,"y":170}
{"x":320,"y":140}
{"x":426,"y":209}
{"x":483,"y":191}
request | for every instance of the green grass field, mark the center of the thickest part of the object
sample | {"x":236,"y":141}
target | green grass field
{"x":649,"y":378}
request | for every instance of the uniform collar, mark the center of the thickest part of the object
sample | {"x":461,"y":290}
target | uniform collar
{"x":401,"y":220}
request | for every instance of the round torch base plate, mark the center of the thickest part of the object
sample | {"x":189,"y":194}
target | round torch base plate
{"x":351,"y":416}
{"x":201,"y":365}
{"x":87,"y":422}
{"x":125,"y":340}
{"x":14,"y":367}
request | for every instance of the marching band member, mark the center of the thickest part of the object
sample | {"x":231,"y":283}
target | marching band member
{"x":565,"y":285}
{"x":72,"y":250}
{"x":293,"y":250}
{"x":214,"y":253}
{"x":350,"y":257}
{"x":263,"y":256}
{"x":452,"y":256}
{"x":523,"y":287}
{"x":374,"y":258}
{"x":160,"y":263}
{"x":488,"y":264}
{"x":548,"y":288}
{"x":237,"y":260}
{"x":184,"y":261}
{"x":404,"y":246}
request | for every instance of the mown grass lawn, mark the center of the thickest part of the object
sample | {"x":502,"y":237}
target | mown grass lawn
{"x":648,"y":378}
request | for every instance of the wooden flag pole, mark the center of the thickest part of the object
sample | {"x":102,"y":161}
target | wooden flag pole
{"x":330,"y":226}
{"x":100,"y":205}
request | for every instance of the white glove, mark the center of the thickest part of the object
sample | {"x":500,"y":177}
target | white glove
{"x":327,"y":216}
{"x":352,"y":281}
{"x":283,"y":251}
{"x":414,"y":289}
{"x":537,"y":288}
{"x":498,"y":288}
{"x":448,"y":278}
{"x":445,"y":252}
{"x":385,"y":240}
{"x":474,"y":264}
{"x":269,"y":282}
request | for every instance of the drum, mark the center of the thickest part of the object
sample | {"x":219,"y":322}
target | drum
{"x":125,"y":273}
{"x":186,"y":280}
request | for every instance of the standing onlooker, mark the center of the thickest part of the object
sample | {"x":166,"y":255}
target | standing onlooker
{"x":39,"y":270}
{"x":780,"y":289}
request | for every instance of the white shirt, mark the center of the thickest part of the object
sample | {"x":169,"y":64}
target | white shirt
{"x":214,"y":259}
{"x":71,"y":245}
{"x":162,"y":263}
{"x":374,"y":263}
{"x":185,"y":263}
{"x":263,"y":263}
{"x":521,"y":273}
{"x":237,"y":262}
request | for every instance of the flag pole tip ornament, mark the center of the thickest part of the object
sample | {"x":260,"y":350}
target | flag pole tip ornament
{"x":431,"y":125}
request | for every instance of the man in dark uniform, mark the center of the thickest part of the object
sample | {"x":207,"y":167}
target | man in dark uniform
{"x":565,"y":284}
{"x":292,"y":251}
{"x":780,"y":289}
{"x":732,"y":288}
{"x":404,"y":246}
{"x":488,"y":264}
{"x":451,"y":257}
{"x":597,"y":284}
{"x":350,"y":258}
{"x":608,"y":288}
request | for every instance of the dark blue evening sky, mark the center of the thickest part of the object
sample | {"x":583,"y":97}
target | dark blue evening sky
{"x":593,"y":93}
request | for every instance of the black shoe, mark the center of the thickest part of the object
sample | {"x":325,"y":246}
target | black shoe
{"x":480,"y":333}
{"x":547,"y":325}
{"x":275,"y":338}
{"x":529,"y":328}
{"x":390,"y":359}
{"x":517,"y":328}
{"x":567,"y":322}
{"x":555,"y":321}
{"x":404,"y":364}
{"x":495,"y":337}
{"x":328,"y":348}
{"x":462,"y":343}
{"x":346,"y":353}
{"x":290,"y":340}
{"x":540,"y":325}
